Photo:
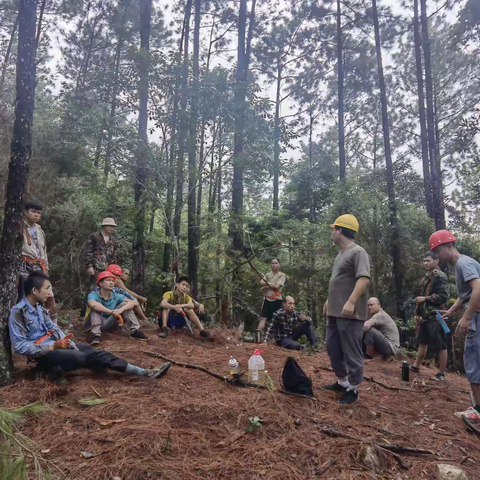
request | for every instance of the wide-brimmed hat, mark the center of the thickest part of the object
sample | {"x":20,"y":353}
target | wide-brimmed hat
{"x":108,"y":222}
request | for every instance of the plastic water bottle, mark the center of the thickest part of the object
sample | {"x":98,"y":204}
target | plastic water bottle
{"x":256,"y":368}
{"x":233,"y":366}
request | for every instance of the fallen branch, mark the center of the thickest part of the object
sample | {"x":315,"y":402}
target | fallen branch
{"x":398,"y":458}
{"x":387,"y":446}
{"x":236,"y":380}
{"x":325,"y":466}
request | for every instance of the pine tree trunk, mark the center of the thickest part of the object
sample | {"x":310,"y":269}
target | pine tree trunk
{"x":141,"y":167}
{"x":341,"y":129}
{"x":8,"y":53}
{"x":276,"y":138}
{"x":395,"y":247}
{"x":39,"y":25}
{"x":310,"y":160}
{"x":421,"y":111}
{"x":240,"y":93}
{"x":435,"y":171}
{"x":193,"y":237}
{"x":183,"y":129}
{"x":21,"y":149}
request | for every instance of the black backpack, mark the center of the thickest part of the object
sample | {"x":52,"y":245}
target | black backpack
{"x":294,"y":379}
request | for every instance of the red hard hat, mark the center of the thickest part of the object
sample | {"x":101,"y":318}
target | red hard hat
{"x":114,"y":269}
{"x":440,"y":237}
{"x":104,"y":275}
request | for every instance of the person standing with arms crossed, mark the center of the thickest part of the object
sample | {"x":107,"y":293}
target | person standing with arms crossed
{"x":271,"y":285}
{"x":346,"y":309}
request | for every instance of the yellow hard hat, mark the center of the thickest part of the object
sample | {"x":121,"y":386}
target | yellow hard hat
{"x":347,"y":221}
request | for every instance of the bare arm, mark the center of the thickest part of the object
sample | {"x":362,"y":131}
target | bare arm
{"x":119,"y":283}
{"x":367,"y":326}
{"x":98,"y":307}
{"x":189,"y":305}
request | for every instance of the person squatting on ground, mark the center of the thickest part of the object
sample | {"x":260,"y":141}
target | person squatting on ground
{"x":271,"y":285}
{"x":176,"y":305}
{"x":34,"y":253}
{"x":346,"y":309}
{"x":288,"y":326}
{"x":120,"y":288}
{"x":381,"y":332}
{"x":433,"y":295}
{"x":101,"y":251}
{"x":467,"y":278}
{"x":106,"y":308}
{"x":34,"y":335}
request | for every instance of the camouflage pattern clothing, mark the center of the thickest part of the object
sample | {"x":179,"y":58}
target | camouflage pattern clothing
{"x":433,"y":286}
{"x":100,"y":254}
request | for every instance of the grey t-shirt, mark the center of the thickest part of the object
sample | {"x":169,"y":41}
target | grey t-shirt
{"x":349,"y":265}
{"x":466,"y":269}
{"x":384,"y":322}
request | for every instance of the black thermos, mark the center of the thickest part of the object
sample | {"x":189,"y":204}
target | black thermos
{"x":405,"y":371}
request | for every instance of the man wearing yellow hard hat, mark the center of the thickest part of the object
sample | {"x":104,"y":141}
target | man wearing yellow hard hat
{"x":346,"y":309}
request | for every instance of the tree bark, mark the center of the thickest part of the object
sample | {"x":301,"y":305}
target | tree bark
{"x":395,"y":247}
{"x":193,"y":237}
{"x":21,"y":148}
{"x":421,"y":112}
{"x":141,"y":167}
{"x":240,"y":93}
{"x":8,"y":52}
{"x":341,"y":129}
{"x":435,"y":171}
{"x":276,"y":137}
{"x":39,"y":25}
{"x":183,"y":129}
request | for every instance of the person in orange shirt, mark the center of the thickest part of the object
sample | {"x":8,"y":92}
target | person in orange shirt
{"x":271,"y":285}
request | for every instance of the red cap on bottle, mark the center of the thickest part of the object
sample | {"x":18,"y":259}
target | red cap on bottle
{"x":257,"y":351}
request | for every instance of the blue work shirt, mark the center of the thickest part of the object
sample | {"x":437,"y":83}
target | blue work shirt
{"x":118,"y":290}
{"x":27,"y":324}
{"x":113,"y":301}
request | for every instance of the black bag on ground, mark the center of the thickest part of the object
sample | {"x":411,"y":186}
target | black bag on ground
{"x":294,"y":379}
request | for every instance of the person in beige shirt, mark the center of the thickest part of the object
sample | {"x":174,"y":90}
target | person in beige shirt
{"x":271,"y":286}
{"x":381,"y":332}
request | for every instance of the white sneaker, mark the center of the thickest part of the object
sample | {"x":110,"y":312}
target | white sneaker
{"x":470,"y":413}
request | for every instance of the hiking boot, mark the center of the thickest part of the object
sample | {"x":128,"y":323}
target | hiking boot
{"x":159,"y":371}
{"x":58,"y":380}
{"x":349,"y":397}
{"x":471,"y":414}
{"x":440,"y":377}
{"x":205,"y":334}
{"x":139,"y":335}
{"x":413,"y":368}
{"x":163,"y":333}
{"x":95,"y":340}
{"x":335,"y":387}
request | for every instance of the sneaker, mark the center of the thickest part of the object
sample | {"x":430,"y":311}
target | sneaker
{"x":139,"y":335}
{"x":390,"y":358}
{"x":205,"y":334}
{"x":366,"y":356}
{"x":439,"y":377}
{"x":335,"y":387}
{"x":471,"y":414}
{"x":95,"y":340}
{"x":413,"y":368}
{"x":158,"y":372}
{"x":163,"y":333}
{"x":349,"y":397}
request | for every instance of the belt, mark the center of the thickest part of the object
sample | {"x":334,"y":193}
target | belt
{"x":35,"y":260}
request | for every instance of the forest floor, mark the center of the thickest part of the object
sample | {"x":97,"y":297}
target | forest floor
{"x":189,"y":425}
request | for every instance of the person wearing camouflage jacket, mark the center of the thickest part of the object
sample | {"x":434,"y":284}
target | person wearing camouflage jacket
{"x":101,"y":249}
{"x":433,"y":295}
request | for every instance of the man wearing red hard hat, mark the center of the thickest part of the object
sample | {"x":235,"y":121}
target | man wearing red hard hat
{"x":467,"y":278}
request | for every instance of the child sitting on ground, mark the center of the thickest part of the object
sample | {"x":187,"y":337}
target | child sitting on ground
{"x":177,"y":305}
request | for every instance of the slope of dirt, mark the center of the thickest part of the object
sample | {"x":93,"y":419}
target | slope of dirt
{"x":189,"y":425}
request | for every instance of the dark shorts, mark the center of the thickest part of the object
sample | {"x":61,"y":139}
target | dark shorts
{"x":269,"y":308}
{"x":432,"y":334}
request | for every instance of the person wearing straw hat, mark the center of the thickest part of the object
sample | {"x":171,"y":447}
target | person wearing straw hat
{"x":101,"y":250}
{"x":346,"y":309}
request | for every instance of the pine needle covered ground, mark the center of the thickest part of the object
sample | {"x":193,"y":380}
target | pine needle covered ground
{"x":189,"y":425}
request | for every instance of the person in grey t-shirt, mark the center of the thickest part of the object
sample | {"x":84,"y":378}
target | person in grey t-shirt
{"x":467,"y":278}
{"x":346,"y":309}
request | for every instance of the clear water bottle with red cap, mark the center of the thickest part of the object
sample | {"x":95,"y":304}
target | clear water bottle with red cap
{"x":256,"y":368}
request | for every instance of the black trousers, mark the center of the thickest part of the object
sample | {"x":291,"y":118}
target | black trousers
{"x":304,"y":328}
{"x":60,"y":361}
